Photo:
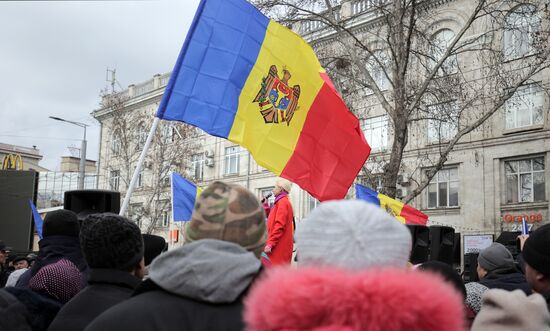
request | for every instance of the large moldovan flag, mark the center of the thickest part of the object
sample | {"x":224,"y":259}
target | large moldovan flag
{"x":246,"y":78}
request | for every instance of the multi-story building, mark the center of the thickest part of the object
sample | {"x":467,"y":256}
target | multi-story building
{"x":494,"y":175}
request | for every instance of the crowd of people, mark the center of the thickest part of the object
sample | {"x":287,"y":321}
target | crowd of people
{"x":234,"y":272}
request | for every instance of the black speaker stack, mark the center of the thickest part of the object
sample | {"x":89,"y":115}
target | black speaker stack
{"x":420,"y":243}
{"x":18,"y":189}
{"x":434,"y":243}
{"x":470,"y":267}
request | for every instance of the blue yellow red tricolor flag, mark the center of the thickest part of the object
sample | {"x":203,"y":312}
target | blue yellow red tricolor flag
{"x":246,"y":78}
{"x":184,"y":195}
{"x":403,"y":212}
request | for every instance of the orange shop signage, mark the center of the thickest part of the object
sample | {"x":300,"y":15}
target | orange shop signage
{"x":530,"y":218}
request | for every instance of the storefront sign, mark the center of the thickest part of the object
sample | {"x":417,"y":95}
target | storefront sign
{"x":530,"y":218}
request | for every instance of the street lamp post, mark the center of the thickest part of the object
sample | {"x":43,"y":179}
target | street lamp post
{"x":82,"y":166}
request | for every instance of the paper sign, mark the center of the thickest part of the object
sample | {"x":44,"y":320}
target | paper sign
{"x":477,"y":243}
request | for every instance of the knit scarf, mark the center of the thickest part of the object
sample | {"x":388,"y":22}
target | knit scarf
{"x":279,"y":196}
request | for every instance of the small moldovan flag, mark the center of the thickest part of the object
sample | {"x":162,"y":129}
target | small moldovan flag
{"x":38,"y":222}
{"x":402,"y":212}
{"x":184,"y":195}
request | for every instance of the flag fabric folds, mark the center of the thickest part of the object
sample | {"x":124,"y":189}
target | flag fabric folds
{"x":246,"y":78}
{"x":38,"y":222}
{"x":402,"y":212}
{"x":184,"y":195}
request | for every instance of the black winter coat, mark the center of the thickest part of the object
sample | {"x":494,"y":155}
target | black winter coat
{"x":106,"y":288}
{"x":13,"y":314}
{"x":152,"y":308}
{"x":506,"y":279}
{"x":4,"y":274}
{"x":41,"y":310}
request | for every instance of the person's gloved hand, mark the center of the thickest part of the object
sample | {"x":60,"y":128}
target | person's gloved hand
{"x":267,"y":249}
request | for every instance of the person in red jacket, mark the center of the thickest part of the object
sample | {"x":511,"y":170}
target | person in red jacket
{"x":280,"y":239}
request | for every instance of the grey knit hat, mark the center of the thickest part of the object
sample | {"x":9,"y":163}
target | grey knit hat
{"x":352,"y":234}
{"x":494,"y":257}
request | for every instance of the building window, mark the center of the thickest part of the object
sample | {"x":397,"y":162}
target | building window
{"x":167,"y":134}
{"x":116,"y":143}
{"x":376,"y":131}
{"x":442,"y":122}
{"x":521,"y":32}
{"x":136,"y":212}
{"x":139,"y":182}
{"x":264,"y":192}
{"x":197,"y":166}
{"x":311,"y":203}
{"x":164,"y":173}
{"x":377,"y":65}
{"x":525,"y":107}
{"x":165,"y":218}
{"x":440,"y":43}
{"x":231,"y":160}
{"x":443,"y":189}
{"x":525,"y":180}
{"x":374,"y":181}
{"x":141,"y":136}
{"x":114,"y":179}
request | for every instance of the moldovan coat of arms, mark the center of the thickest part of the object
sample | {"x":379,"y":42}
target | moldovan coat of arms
{"x":277,"y":100}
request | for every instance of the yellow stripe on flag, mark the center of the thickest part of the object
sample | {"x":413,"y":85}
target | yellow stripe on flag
{"x":199,"y":191}
{"x":272,"y":144}
{"x":391,"y":206}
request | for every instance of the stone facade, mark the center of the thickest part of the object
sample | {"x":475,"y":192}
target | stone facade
{"x":485,"y":162}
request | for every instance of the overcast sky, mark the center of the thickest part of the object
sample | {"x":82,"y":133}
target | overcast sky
{"x":53,"y":60}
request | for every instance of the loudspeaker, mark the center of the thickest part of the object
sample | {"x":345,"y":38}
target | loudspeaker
{"x":17,"y":189}
{"x":470,"y":268}
{"x":509,"y":240}
{"x":86,"y":202}
{"x":457,"y":249}
{"x":442,"y":241}
{"x":420,"y":243}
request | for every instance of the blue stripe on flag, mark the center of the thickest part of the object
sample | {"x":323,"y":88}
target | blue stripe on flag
{"x":184,"y":194}
{"x":365,"y":193}
{"x":38,"y":222}
{"x":221,"y":48}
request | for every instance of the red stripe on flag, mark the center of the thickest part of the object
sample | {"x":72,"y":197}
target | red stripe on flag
{"x":413,"y":216}
{"x":331,"y":148}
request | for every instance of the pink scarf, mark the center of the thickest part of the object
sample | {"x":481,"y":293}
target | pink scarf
{"x":279,"y":196}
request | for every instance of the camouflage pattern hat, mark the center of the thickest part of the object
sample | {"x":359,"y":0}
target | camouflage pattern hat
{"x":231,"y":213}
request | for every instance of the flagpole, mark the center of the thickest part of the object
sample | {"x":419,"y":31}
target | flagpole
{"x":138,"y":167}
{"x":172,"y":211}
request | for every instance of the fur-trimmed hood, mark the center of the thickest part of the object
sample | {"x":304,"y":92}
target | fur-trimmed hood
{"x":338,"y":300}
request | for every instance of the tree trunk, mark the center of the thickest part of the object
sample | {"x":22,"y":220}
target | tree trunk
{"x":391,"y":169}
